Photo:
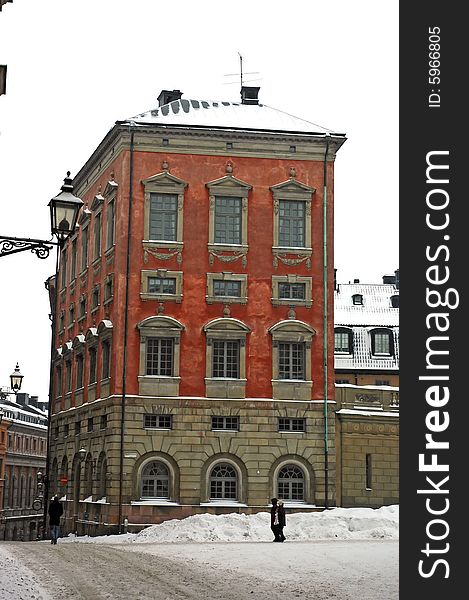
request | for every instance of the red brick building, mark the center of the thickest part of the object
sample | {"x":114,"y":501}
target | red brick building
{"x":191,"y":343}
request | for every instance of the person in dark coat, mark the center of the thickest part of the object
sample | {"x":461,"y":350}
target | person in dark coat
{"x":276,"y":519}
{"x":55,"y":512}
{"x":281,"y":520}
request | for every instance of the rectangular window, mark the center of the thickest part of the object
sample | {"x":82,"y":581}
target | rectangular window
{"x":95,"y":298}
{"x":63,"y":280}
{"x":68,"y":376}
{"x":291,"y":360}
{"x":342,"y":380}
{"x":58,"y":381}
{"x":92,"y":378}
{"x":79,"y":382}
{"x":368,"y":471}
{"x":110,"y":225}
{"x":66,"y":429}
{"x":157,"y":421}
{"x":90,"y":424}
{"x":228,"y":215}
{"x":77,"y":427}
{"x":108,"y":289}
{"x":82,"y":307}
{"x":292,"y":291}
{"x":161,"y":285}
{"x":223,"y":287}
{"x":227,"y":423}
{"x":56,"y":432}
{"x":84,"y":248}
{"x":159,"y":359}
{"x":382,"y":382}
{"x":73,"y":269}
{"x":103,"y":422}
{"x":291,"y":424}
{"x":225,"y":358}
{"x":163,"y":217}
{"x":341,"y":342}
{"x":292,"y":223}
{"x":106,"y":359}
{"x":382,"y":343}
{"x":97,"y":236}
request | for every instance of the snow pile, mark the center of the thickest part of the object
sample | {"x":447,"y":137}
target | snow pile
{"x":337,"y":523}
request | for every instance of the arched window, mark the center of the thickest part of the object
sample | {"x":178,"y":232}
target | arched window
{"x":357,"y":299}
{"x":6,"y":492}
{"x":101,"y":477}
{"x":291,"y":483}
{"x":88,"y":476}
{"x":155,"y":480}
{"x":223,"y":482}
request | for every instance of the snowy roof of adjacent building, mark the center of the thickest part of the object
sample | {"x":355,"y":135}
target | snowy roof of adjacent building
{"x":232,"y":115}
{"x":376,"y":309}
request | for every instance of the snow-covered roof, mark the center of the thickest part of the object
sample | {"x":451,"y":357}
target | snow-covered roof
{"x":375,"y":310}
{"x":362,"y":357}
{"x":204,"y":113}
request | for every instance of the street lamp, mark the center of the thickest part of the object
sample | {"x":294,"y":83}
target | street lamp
{"x":15,"y":380}
{"x":64,"y":209}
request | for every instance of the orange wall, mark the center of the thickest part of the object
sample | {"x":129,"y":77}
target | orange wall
{"x":193,"y":312}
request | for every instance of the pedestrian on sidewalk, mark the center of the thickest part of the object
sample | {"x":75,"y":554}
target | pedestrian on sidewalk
{"x":281,"y":520}
{"x":274,"y":520}
{"x":55,"y":512}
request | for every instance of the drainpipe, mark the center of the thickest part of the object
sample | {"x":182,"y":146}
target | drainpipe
{"x":126,"y":325}
{"x":325,"y":329}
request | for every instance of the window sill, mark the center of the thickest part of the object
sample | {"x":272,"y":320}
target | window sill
{"x":161,"y":297}
{"x":225,"y":388}
{"x":169,"y":244}
{"x":291,"y":302}
{"x":155,"y":385}
{"x":154,"y":502}
{"x":223,"y":503}
{"x":226,"y":299}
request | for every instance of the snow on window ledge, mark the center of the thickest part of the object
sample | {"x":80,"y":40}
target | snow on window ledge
{"x":154,"y":502}
{"x":223,"y":503}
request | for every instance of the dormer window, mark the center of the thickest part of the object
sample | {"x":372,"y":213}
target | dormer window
{"x":343,"y":340}
{"x":382,"y":342}
{"x":357,"y":299}
{"x":395,"y":301}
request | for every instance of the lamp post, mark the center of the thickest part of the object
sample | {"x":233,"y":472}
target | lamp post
{"x":16,"y":379}
{"x":64,"y":209}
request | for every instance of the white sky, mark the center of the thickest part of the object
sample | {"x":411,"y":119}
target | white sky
{"x":76,"y":67}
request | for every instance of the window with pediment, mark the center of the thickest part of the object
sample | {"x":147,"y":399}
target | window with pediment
{"x":163,"y":216}
{"x":291,"y":360}
{"x":160,"y":338}
{"x":225,"y":375}
{"x":228,"y":218}
{"x":292,"y":222}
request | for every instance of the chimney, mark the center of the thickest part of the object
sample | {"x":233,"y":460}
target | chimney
{"x":167,"y":96}
{"x":389,"y":279}
{"x":249,"y":95}
{"x":396,"y":281}
{"x":356,"y":281}
{"x":33,"y":401}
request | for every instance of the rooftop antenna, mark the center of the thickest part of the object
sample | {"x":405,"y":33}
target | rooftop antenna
{"x":241,"y":73}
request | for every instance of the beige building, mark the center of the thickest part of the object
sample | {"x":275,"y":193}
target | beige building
{"x":367,"y":439}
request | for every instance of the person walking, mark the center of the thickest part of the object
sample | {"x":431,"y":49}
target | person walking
{"x":55,"y":512}
{"x":281,"y":520}
{"x":274,"y":520}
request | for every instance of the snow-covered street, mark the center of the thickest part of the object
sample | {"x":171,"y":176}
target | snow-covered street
{"x":343,"y":554}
